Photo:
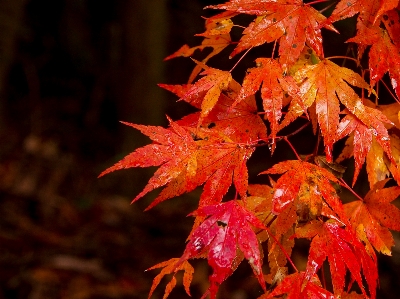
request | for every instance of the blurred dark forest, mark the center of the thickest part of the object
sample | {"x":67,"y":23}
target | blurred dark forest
{"x":70,"y":70}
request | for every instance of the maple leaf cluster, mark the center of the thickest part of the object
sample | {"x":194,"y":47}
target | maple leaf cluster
{"x":294,"y":86}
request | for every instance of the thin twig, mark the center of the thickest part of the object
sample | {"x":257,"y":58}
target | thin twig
{"x":343,"y":57}
{"x":240,"y":59}
{"x":291,"y":146}
{"x":344,"y":184}
{"x":391,"y":93}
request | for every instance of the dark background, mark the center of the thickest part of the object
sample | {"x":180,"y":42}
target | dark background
{"x":69,"y":71}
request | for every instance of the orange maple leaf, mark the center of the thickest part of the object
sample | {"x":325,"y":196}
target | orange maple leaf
{"x":188,"y":155}
{"x":211,"y":86}
{"x":391,"y":19}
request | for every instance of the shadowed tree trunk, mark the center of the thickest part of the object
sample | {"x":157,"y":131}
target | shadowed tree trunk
{"x":11,"y":12}
{"x":144,"y":30}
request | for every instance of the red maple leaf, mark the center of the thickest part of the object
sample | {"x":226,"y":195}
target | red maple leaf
{"x":227,"y":229}
{"x":373,"y":217}
{"x":292,"y":22}
{"x":343,"y":251}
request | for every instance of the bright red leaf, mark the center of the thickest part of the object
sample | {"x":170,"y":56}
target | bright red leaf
{"x":228,"y":228}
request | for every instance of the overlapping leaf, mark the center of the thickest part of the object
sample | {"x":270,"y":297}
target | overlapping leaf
{"x":292,"y":22}
{"x":228,"y":228}
{"x":240,"y":125}
{"x":380,"y":162}
{"x":374,"y":216}
{"x":343,"y":251}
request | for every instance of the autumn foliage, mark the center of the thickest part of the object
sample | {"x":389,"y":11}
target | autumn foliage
{"x":295,"y":86}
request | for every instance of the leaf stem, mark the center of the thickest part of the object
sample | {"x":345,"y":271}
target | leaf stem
{"x":316,"y":1}
{"x":230,"y":71}
{"x":283,"y":249}
{"x":323,"y":276}
{"x":291,"y":146}
{"x":273,"y":50}
{"x":391,"y":93}
{"x":295,"y":132}
{"x":329,"y":6}
{"x":344,"y":184}
{"x":343,"y":57}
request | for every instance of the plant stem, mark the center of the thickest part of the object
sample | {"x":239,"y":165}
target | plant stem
{"x":291,"y":146}
{"x":240,"y":59}
{"x":316,"y":1}
{"x":344,"y":184}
